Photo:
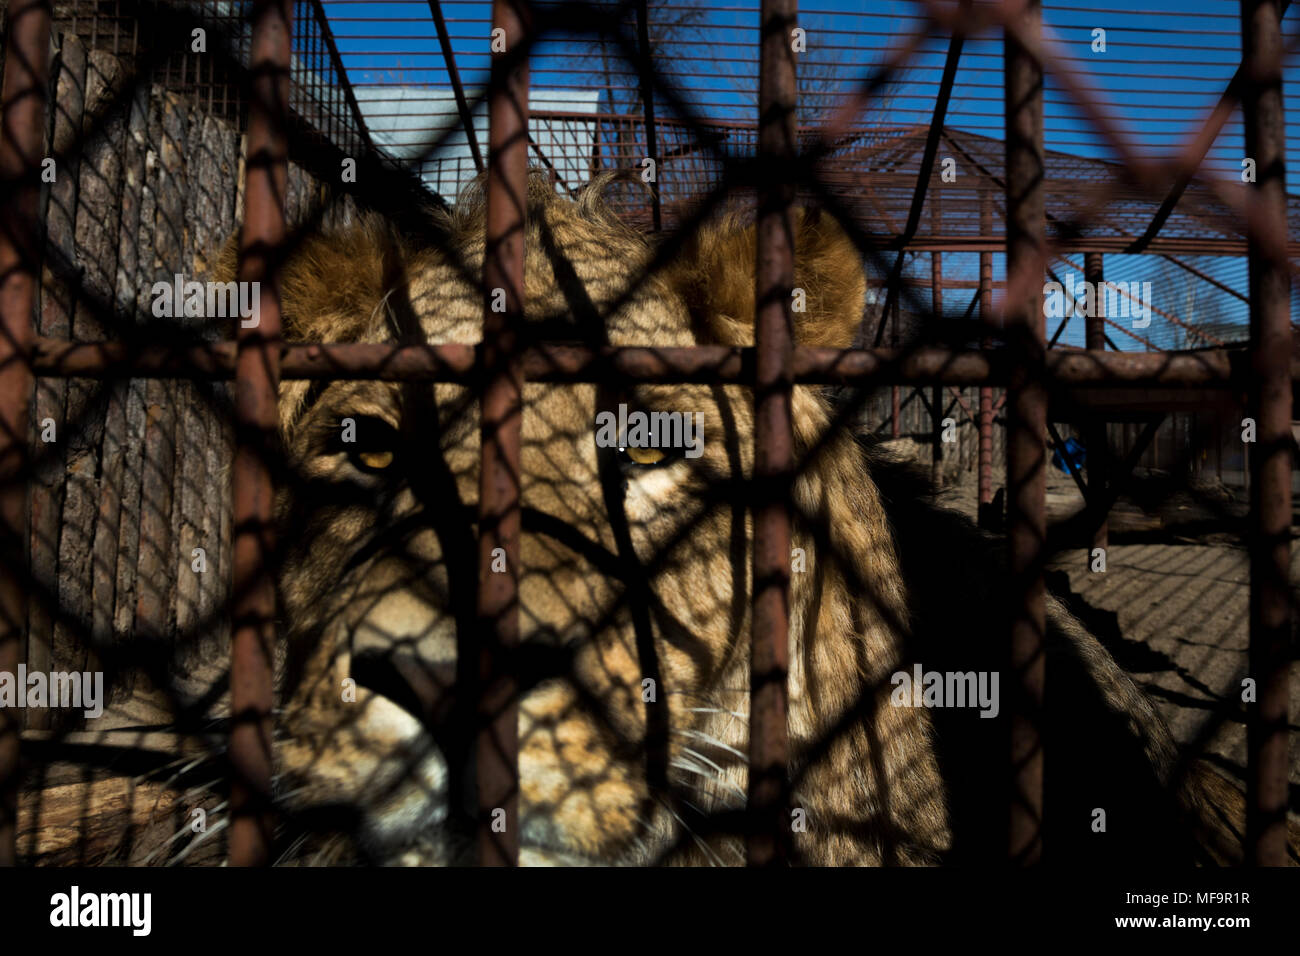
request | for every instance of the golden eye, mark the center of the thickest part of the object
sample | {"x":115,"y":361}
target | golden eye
{"x":376,"y":459}
{"x":646,"y":456}
{"x":371,"y":444}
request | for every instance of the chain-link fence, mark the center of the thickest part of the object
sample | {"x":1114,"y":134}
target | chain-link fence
{"x":416,"y":589}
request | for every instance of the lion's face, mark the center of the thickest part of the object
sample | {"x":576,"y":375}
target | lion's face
{"x":634,"y":584}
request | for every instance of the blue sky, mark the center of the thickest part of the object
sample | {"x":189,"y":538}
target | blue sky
{"x":1162,"y":72}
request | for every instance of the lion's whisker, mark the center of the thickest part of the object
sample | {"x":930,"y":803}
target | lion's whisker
{"x":717,"y":861}
{"x":700,"y":735}
{"x":183,"y":831}
{"x":710,"y":776}
{"x":292,"y":849}
{"x":215,"y":828}
{"x":743,"y":718}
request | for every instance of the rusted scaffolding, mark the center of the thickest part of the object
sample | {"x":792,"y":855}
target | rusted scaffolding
{"x":502,"y":417}
{"x":257,"y":361}
{"x":22,"y":113}
{"x":1271,"y":342}
{"x":773,"y":439}
{"x":257,"y":423}
{"x":1026,"y":424}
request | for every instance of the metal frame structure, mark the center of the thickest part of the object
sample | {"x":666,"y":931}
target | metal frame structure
{"x":257,"y":361}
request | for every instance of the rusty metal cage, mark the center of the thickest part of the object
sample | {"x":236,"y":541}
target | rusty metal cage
{"x":293,"y":80}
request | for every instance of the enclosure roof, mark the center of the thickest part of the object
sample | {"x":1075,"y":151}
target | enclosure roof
{"x":1091,"y":205}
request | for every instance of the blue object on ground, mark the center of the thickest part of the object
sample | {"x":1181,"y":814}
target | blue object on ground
{"x":1076,"y":452}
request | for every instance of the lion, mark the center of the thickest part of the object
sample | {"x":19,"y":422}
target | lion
{"x":585,"y":731}
{"x":636,"y":575}
{"x":635,"y":584}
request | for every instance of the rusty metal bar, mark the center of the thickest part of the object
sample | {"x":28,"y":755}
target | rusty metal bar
{"x":1173,"y":245}
{"x":322,"y":21}
{"x":256,"y":429}
{"x":769,"y":836}
{"x":22,"y":128}
{"x":1149,"y":176}
{"x":709,"y":364}
{"x":1186,"y":267}
{"x":502,"y":413}
{"x":453,"y":74}
{"x":927,"y":166}
{"x":648,"y":101}
{"x":985,"y":485}
{"x":552,"y":173}
{"x":1190,"y":328}
{"x":1271,"y":347}
{"x":1026,"y":426}
{"x":936,"y":309}
{"x":936,"y":436}
{"x":895,"y":397}
{"x":216,"y":360}
{"x":986,"y":391}
{"x":1199,"y":147}
{"x":960,"y":399}
{"x":946,"y":18}
{"x":1096,"y":441}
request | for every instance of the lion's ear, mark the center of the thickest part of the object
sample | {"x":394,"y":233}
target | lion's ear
{"x":715,"y":274}
{"x":332,"y":282}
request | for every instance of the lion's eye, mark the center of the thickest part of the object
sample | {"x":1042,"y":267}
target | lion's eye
{"x":370,"y":443}
{"x":646,"y":455}
{"x":377,"y":460}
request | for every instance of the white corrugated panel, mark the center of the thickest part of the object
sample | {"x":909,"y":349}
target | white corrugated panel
{"x":405,"y":122}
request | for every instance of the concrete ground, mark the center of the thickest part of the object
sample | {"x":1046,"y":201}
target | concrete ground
{"x":1172,"y":605}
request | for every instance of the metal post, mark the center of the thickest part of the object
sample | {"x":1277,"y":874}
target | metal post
{"x":26,"y":83}
{"x":1098,"y":449}
{"x":986,"y":392}
{"x":257,"y":374}
{"x":1218,"y":444}
{"x":890,"y":314}
{"x":768,"y":837}
{"x":327,"y":35}
{"x":502,"y":413}
{"x":893,"y":286}
{"x":1026,"y":427}
{"x":1270,"y":398}
{"x":453,"y":74}
{"x":648,"y":101}
{"x":936,"y":394}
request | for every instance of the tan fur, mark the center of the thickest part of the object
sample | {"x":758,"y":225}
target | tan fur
{"x":873,"y":796}
{"x":377,"y":564}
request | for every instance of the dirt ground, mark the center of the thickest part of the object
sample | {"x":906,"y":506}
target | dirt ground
{"x":1172,"y":605}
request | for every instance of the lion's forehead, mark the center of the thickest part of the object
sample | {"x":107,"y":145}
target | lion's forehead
{"x":599,"y":288}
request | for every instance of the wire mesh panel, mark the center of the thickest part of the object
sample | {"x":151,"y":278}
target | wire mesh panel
{"x":459,"y":432}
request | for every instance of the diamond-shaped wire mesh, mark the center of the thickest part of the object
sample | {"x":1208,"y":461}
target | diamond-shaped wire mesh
{"x":132,"y":498}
